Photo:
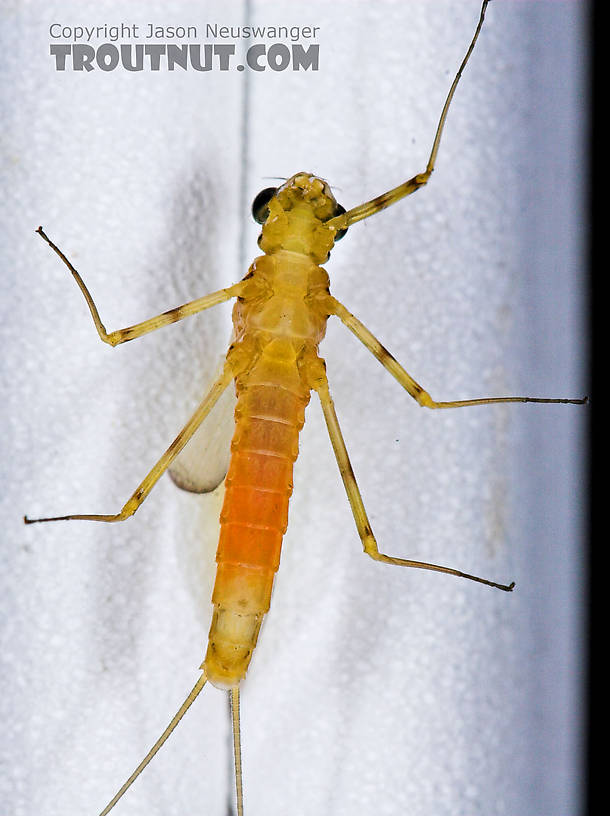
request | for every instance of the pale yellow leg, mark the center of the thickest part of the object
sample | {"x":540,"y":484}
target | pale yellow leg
{"x":405,"y":379}
{"x":320,"y":384}
{"x":153,"y":323}
{"x":165,"y":461}
{"x":379,"y":203}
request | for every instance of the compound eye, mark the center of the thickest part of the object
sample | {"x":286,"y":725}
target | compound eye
{"x":260,"y":205}
{"x":340,"y":233}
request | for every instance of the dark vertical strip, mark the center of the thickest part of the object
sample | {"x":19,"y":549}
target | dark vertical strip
{"x":596,"y":778}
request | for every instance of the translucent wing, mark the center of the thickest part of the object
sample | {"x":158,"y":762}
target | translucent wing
{"x":204,"y":462}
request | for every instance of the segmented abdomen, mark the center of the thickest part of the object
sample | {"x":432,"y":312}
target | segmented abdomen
{"x":271,"y":402}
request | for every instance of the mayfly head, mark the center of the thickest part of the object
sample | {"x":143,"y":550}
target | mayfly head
{"x":294,"y":217}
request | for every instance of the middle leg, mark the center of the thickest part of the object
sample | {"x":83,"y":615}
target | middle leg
{"x":406,"y":380}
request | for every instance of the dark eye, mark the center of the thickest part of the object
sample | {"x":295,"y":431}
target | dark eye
{"x":340,"y":233}
{"x":260,"y":205}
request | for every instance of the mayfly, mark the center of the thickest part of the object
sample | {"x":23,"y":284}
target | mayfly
{"x":280,"y":317}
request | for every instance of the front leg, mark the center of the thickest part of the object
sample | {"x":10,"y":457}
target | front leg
{"x":131,"y":332}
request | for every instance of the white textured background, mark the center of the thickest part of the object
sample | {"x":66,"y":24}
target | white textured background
{"x":373,"y":690}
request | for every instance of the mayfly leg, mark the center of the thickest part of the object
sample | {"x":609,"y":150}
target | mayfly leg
{"x":320,"y":385}
{"x":206,"y":405}
{"x":363,"y":524}
{"x":413,"y":388}
{"x":153,"y":476}
{"x":413,"y":184}
{"x":153,"y":323}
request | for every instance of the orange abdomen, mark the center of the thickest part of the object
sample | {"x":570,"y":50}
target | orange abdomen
{"x":254,"y":516}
